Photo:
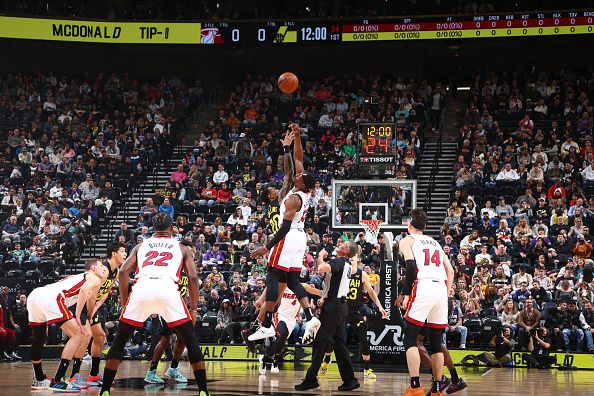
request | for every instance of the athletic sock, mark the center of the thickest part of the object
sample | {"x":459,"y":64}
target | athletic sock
{"x":327,"y":358}
{"x":308,"y":313}
{"x":61,"y":371}
{"x":174,"y":363}
{"x":200,"y":376}
{"x":366,"y":364}
{"x":76,"y":362}
{"x":435,"y":386}
{"x":267,"y":320}
{"x":415,"y":382}
{"x":39,"y":374}
{"x":154,"y":366}
{"x":95,"y":361}
{"x":454,"y":375}
{"x":108,"y":377}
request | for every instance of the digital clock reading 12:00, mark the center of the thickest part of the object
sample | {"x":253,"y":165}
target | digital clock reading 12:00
{"x":376,"y":139}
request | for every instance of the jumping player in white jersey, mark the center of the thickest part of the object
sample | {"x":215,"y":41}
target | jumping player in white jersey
{"x":287,"y":248}
{"x":158,"y":261}
{"x":48,"y":305}
{"x":284,"y":321}
{"x":429,"y":277}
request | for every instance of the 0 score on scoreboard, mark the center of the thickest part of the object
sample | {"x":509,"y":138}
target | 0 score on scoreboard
{"x":377,"y":156}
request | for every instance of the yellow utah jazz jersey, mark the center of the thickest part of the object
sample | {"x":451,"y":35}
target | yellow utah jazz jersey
{"x":273,"y":215}
{"x":355,"y":296}
{"x":183,"y":284}
{"x":107,"y":283}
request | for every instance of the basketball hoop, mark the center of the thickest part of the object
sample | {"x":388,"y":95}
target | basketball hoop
{"x":372,"y":229}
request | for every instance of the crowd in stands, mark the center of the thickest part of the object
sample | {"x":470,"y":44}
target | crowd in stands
{"x":215,"y":193}
{"x":72,"y":147}
{"x":238,"y":9}
{"x":518,"y":224}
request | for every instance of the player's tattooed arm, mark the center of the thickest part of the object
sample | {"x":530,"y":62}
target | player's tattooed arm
{"x":289,"y":169}
{"x":297,"y":148}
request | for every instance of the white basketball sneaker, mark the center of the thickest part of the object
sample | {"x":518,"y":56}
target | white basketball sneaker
{"x":262,"y":333}
{"x":311,"y":329}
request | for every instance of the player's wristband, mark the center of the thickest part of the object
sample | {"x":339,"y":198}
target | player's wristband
{"x":287,"y":149}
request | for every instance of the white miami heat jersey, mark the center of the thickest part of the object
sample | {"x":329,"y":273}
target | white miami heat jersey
{"x":429,"y":257}
{"x":289,"y":306}
{"x":69,"y":287}
{"x":159,"y":257}
{"x":299,"y":219}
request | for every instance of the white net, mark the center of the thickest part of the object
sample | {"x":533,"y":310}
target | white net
{"x":372,"y":229}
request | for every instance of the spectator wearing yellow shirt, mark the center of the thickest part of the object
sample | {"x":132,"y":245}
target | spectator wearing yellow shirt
{"x":374,"y":278}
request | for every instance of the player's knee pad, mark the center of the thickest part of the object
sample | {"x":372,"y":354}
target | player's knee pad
{"x":411,"y":331}
{"x":294,"y":284}
{"x":39,"y":338}
{"x":272,"y":280}
{"x":434,"y":337}
{"x":283,"y":331}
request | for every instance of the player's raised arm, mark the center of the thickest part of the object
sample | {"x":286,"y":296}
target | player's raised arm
{"x":124,"y":274}
{"x":297,"y":149}
{"x":292,"y":206}
{"x":287,"y":165}
{"x":188,"y":257}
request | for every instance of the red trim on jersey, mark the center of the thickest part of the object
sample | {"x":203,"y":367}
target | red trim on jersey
{"x":275,"y":319}
{"x":413,"y":294}
{"x":182,"y":320}
{"x":277,"y":250}
{"x":131,"y":322}
{"x":179,"y":270}
{"x":413,"y":321}
{"x":36,"y":323}
{"x":294,"y":269}
{"x":66,"y":314}
{"x":159,"y":236}
{"x":73,"y":291}
{"x":436,"y":326}
{"x":124,"y":311}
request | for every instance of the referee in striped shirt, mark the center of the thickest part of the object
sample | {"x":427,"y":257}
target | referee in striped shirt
{"x":333,"y":317}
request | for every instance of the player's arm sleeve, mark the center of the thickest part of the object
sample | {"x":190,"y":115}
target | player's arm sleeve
{"x":280,"y":234}
{"x":411,"y":274}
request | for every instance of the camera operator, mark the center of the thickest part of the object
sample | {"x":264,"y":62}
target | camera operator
{"x":503,"y":345}
{"x":539,"y":345}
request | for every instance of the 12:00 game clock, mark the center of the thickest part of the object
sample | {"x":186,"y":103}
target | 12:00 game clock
{"x":376,"y":149}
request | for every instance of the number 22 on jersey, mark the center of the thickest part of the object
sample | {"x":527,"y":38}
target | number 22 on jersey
{"x":432,"y":258}
{"x":163,"y":260}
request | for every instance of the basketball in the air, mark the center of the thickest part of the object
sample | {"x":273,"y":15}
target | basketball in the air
{"x":288,"y":82}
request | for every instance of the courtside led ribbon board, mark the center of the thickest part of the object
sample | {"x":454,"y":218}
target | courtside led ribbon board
{"x":100,"y":32}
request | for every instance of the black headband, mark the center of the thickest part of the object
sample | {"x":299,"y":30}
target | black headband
{"x":418,"y":225}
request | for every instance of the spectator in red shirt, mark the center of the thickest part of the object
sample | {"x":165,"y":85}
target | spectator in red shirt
{"x":555,"y":186}
{"x":224,"y":194}
{"x":209,"y":195}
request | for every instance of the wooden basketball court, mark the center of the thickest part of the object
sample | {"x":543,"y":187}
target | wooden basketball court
{"x":242,"y":378}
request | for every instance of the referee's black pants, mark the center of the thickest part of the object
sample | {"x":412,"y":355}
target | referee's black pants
{"x":332,"y":331}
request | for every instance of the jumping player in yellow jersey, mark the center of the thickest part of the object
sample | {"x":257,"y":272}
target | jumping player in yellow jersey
{"x":116,"y":255}
{"x":172,"y":372}
{"x":358,"y":284}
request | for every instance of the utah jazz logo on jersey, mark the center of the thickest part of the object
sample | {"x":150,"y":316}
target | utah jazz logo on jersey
{"x":273,"y":215}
